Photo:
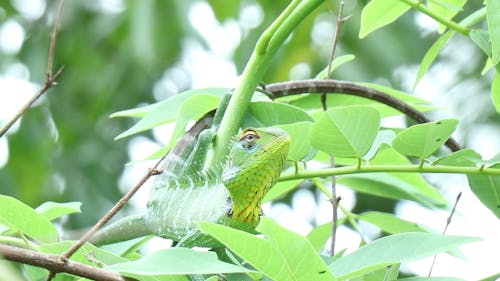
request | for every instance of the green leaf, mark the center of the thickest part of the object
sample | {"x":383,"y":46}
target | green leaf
{"x":53,"y":210}
{"x":390,"y":223}
{"x":193,"y":108}
{"x":163,"y":112}
{"x":481,"y":38}
{"x":300,"y":142}
{"x":493,"y":277}
{"x":379,"y":275}
{"x":424,"y":139}
{"x":383,"y":137}
{"x":397,"y":248}
{"x":392,"y":272}
{"x":213,"y":278}
{"x":487,"y":66}
{"x":409,"y":186}
{"x":431,"y":55}
{"x":18,"y":216}
{"x":280,"y":188}
{"x":346,"y":131}
{"x":265,"y":113}
{"x":127,"y":248}
{"x":431,"y":279}
{"x":487,"y":189}
{"x":495,"y":91}
{"x":493,"y":19}
{"x":177,"y":261}
{"x":144,"y":110}
{"x":87,"y":254}
{"x":415,"y":182}
{"x":9,"y":272}
{"x":465,"y":157}
{"x":386,"y":185}
{"x":335,"y":64}
{"x":225,"y":10}
{"x":319,"y":236}
{"x":94,"y":256}
{"x":297,"y":251}
{"x":282,"y":255}
{"x":446,"y":9}
{"x":378,"y":13}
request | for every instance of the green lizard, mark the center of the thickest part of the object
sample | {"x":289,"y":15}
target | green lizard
{"x":232,"y":195}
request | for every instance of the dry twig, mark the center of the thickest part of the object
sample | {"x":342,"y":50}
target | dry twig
{"x":50,"y":78}
{"x":448,"y":222}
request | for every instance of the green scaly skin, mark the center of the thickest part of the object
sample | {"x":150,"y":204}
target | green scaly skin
{"x":231,"y":196}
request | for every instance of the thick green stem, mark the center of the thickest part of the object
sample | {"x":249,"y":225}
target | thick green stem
{"x":266,"y":47}
{"x":417,"y":5}
{"x":388,"y":169}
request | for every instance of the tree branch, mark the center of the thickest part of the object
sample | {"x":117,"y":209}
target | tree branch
{"x":282,"y":89}
{"x":50,"y":79}
{"x":113,"y":211}
{"x":55,"y":264}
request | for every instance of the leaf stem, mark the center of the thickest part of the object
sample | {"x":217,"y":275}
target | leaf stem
{"x":18,"y":242}
{"x":388,"y":169}
{"x":417,"y":5}
{"x":351,"y":218}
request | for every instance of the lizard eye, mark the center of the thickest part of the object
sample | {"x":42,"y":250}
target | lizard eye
{"x":249,"y":139}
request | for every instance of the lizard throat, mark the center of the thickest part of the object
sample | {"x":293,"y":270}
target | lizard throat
{"x":248,"y":210}
{"x":251,"y":171}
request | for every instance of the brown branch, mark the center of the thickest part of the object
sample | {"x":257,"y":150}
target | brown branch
{"x":50,"y":79}
{"x":282,"y":89}
{"x":55,"y":264}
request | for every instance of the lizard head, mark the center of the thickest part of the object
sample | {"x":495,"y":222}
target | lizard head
{"x":254,"y":164}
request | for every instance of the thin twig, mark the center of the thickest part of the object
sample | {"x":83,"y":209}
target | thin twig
{"x":338,"y":28}
{"x":50,"y":79}
{"x":448,"y":222}
{"x":48,"y":84}
{"x":169,"y":164}
{"x":66,"y":255}
{"x":334,"y":200}
{"x":56,"y":264}
{"x":282,"y":89}
{"x":53,"y":39}
{"x":335,"y":204}
{"x":153,"y":171}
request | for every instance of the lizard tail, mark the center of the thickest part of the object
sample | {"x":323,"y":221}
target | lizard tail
{"x":122,"y":230}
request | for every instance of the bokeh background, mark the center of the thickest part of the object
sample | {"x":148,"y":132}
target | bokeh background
{"x":122,"y":54}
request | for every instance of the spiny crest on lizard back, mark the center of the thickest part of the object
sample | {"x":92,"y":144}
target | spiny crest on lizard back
{"x":254,"y":164}
{"x":171,"y":180}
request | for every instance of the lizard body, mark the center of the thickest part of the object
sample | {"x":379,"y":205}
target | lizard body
{"x":231,"y":196}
